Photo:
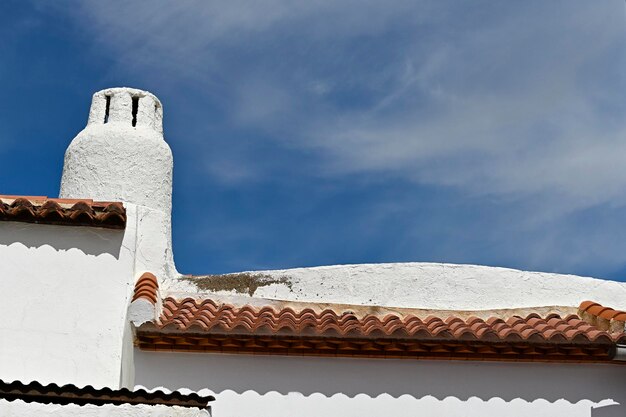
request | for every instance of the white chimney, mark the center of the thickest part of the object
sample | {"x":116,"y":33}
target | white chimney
{"x":121,"y":154}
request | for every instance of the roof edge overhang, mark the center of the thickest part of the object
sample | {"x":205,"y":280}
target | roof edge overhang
{"x":71,"y":394}
{"x":274,"y":327}
{"x":63,"y":212}
{"x":149,"y":338}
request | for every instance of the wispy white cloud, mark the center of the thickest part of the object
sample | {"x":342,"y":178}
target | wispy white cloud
{"x":519,"y":101}
{"x":515,"y":99}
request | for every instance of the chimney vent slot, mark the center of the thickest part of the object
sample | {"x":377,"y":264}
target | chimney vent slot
{"x":106,"y":110}
{"x":135,"y":108}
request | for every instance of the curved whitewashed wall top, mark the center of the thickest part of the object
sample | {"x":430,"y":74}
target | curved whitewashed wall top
{"x":421,"y":285}
{"x":121,"y":154}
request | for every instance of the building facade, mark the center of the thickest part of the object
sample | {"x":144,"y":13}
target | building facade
{"x":93,"y":298}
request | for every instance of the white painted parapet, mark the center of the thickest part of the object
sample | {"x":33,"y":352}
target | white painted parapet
{"x":411,"y":285}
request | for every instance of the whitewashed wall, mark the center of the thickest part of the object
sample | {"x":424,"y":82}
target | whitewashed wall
{"x":310,"y":386}
{"x":19,"y":408}
{"x":65,"y":293}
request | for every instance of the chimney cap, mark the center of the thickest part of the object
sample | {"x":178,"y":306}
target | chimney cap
{"x":129,"y":107}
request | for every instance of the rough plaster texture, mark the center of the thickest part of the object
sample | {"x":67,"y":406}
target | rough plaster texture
{"x":115,"y":161}
{"x":141,"y":311}
{"x":20,"y":408}
{"x":427,"y":286}
{"x":313,"y":386}
{"x":112,"y":160}
{"x":154,"y":244}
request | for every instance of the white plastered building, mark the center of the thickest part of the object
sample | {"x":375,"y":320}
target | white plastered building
{"x":93,"y":298}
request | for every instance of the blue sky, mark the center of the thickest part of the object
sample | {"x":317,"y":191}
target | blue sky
{"x":312,"y":133}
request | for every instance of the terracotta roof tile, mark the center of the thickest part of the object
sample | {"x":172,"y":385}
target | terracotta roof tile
{"x":206,"y":325}
{"x":71,"y":394}
{"x":604,"y":318}
{"x":56,"y":211}
{"x":207,"y":315}
{"x":147,"y":288}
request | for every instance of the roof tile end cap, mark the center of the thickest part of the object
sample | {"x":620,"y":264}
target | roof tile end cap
{"x":605,"y":318}
{"x":146,"y":300}
{"x":147,"y":287}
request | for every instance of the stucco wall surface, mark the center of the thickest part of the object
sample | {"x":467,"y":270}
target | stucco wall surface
{"x":121,"y":164}
{"x":112,"y":160}
{"x":277,"y":386}
{"x":153,"y":252}
{"x":19,"y":408}
{"x":424,"y":285}
{"x":64,"y":294}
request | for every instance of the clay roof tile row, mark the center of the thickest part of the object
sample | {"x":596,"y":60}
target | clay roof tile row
{"x":204,"y":316}
{"x":211,"y":326}
{"x":71,"y":394}
{"x":67,"y":212}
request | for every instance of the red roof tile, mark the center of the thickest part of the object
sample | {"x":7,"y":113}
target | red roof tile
{"x":209,"y":326}
{"x":71,"y":394}
{"x":605,"y":318}
{"x":147,"y":288}
{"x":68,"y":212}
